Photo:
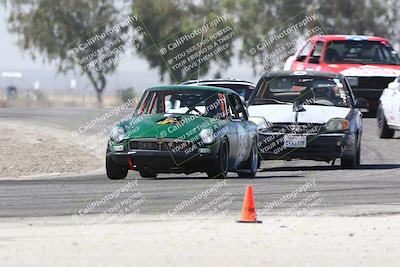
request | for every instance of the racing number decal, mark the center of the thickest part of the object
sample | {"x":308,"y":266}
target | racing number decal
{"x":242,"y":144}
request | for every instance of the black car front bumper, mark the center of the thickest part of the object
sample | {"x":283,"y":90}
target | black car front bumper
{"x":164,"y":161}
{"x":372,"y":95}
{"x":320,"y":147}
{"x":370,"y":88}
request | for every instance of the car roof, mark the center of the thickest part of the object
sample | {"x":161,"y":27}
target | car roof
{"x":215,"y":81}
{"x":347,"y":38}
{"x":303,"y":73}
{"x":190,"y":87}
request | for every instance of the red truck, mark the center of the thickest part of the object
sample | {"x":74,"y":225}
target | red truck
{"x":370,"y":63}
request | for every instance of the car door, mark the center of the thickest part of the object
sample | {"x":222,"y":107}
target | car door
{"x":249,"y":129}
{"x":313,"y":62}
{"x":300,"y":61}
{"x":240,"y":149}
{"x":233,"y":127}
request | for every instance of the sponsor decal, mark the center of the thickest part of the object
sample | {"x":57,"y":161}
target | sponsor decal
{"x":356,"y":37}
{"x":170,"y":120}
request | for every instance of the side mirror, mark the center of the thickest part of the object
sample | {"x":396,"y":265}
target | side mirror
{"x":393,"y":85}
{"x":239,"y":109}
{"x":301,"y":58}
{"x":314,"y":60}
{"x":361,"y":103}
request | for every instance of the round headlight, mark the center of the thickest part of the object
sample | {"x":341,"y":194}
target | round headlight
{"x":117,"y":134}
{"x":207,"y":136}
{"x":337,"y":125}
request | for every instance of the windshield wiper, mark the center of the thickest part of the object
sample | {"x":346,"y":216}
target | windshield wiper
{"x":355,"y":60}
{"x":362,"y":62}
{"x":384,"y":63}
{"x":271,"y":99}
{"x":321,"y":104}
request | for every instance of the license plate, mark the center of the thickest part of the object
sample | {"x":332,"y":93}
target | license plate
{"x":293,"y":141}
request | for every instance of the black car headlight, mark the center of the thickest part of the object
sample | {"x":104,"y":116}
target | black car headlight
{"x":337,"y":125}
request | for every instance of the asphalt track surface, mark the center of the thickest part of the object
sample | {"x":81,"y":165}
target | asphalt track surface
{"x":373,"y":189}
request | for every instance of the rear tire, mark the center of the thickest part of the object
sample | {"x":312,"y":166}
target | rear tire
{"x":115,"y":171}
{"x":220,"y":167}
{"x":251,"y":164}
{"x":383,"y":129}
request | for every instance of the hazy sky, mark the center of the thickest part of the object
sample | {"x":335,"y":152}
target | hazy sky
{"x":132,"y":70}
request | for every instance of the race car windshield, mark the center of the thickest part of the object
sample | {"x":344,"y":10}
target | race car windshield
{"x":242,"y":90}
{"x":322,"y":91}
{"x":361,"y":52}
{"x":183,"y":102}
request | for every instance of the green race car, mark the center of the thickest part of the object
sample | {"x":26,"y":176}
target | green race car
{"x":184,"y":129}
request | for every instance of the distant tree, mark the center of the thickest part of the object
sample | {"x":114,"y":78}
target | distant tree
{"x":56,"y":29}
{"x":357,"y":17}
{"x":127,"y":94}
{"x":167,"y":20}
{"x":61,"y":32}
{"x":255,"y":20}
{"x":259,"y":19}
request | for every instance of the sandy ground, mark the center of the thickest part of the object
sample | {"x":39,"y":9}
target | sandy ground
{"x":31,"y":151}
{"x":278,"y":241}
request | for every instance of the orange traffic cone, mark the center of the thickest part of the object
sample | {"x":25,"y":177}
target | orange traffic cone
{"x":248,"y":208}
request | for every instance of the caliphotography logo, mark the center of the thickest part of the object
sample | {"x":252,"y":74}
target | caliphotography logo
{"x":274,"y":50}
{"x":197,"y":214}
{"x":104,"y":217}
{"x":188,"y":52}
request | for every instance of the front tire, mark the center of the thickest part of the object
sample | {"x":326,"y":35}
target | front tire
{"x":383,"y":129}
{"x":219,"y":168}
{"x":353,"y":161}
{"x":115,"y":171}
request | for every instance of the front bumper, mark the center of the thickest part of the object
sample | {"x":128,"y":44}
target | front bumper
{"x":320,"y":147}
{"x":370,"y":88}
{"x":164,"y":161}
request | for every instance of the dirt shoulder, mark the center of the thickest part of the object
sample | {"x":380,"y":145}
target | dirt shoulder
{"x":29,"y":151}
{"x":36,"y":143}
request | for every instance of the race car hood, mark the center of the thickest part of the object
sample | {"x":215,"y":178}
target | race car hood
{"x":358,"y":70}
{"x":285,"y":114}
{"x":163,"y":126}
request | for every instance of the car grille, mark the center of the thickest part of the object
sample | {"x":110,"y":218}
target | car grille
{"x":144,"y":145}
{"x":373,"y":82}
{"x":170,"y":145}
{"x":300,"y":128}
